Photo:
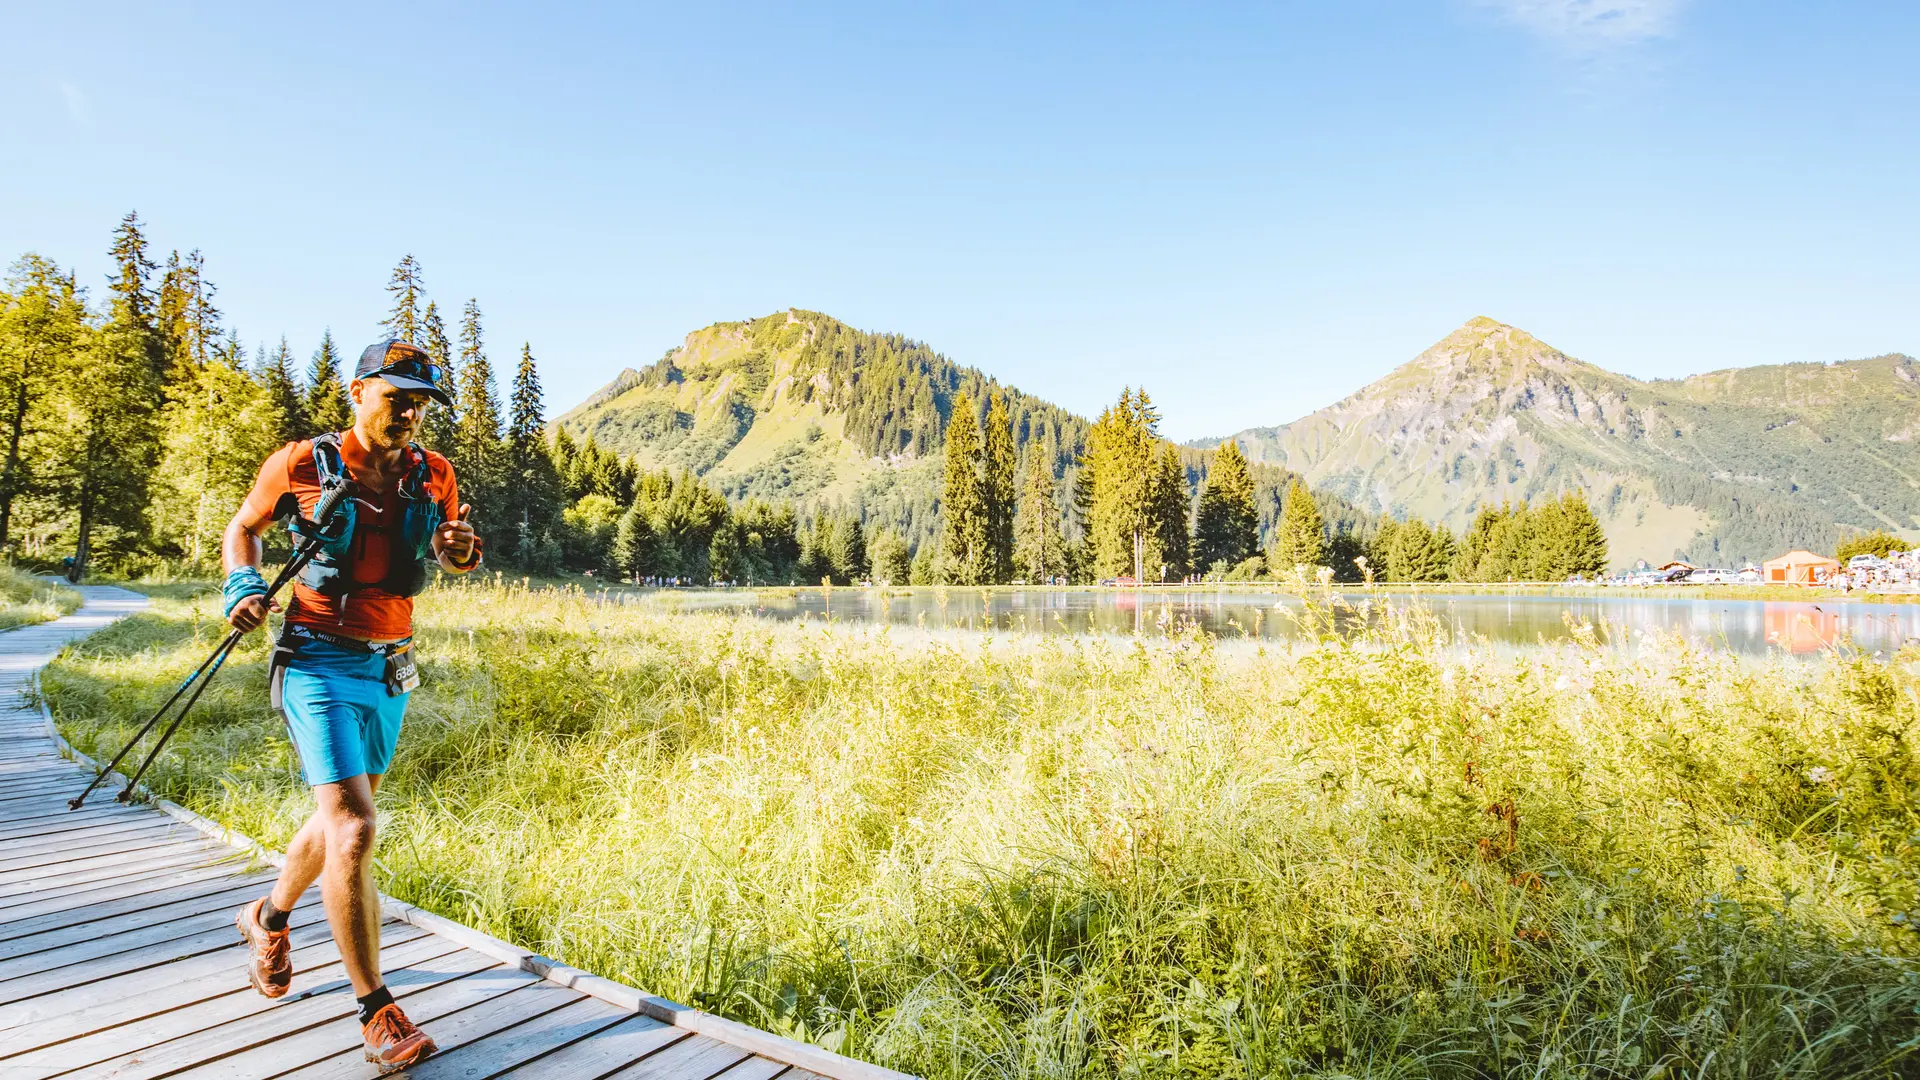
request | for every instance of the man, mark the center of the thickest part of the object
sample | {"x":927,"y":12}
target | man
{"x":343,"y":665}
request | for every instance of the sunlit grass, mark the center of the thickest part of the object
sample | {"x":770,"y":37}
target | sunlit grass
{"x":1043,"y":856}
{"x":26,"y":599}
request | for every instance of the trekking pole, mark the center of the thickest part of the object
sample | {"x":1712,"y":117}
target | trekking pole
{"x":329,"y":502}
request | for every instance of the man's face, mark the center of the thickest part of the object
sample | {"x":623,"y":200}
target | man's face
{"x":388,"y":415}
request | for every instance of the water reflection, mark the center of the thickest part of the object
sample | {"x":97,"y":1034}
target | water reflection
{"x":1749,"y":627}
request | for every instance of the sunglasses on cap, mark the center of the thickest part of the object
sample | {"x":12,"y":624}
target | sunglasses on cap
{"x":412,"y":366}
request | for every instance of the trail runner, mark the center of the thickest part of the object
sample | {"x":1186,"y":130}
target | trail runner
{"x":343,"y":665}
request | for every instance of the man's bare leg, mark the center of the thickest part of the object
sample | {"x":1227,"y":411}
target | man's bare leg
{"x":335,"y":847}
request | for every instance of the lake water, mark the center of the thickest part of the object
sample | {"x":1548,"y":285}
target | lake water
{"x":1748,"y":627}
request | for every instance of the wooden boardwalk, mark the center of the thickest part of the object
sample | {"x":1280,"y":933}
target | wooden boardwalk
{"x":118,"y":956}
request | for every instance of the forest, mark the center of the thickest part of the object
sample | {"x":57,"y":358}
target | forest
{"x":135,"y":424}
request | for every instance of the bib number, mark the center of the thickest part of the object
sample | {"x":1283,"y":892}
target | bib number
{"x":403,"y":674}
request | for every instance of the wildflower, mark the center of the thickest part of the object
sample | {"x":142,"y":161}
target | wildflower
{"x":1819,"y":774}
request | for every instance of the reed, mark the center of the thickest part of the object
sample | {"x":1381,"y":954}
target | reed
{"x":1045,"y":856}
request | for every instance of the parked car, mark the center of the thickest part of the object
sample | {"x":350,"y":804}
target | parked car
{"x":1750,"y":575}
{"x":1712,"y":576}
{"x":1865,"y":561}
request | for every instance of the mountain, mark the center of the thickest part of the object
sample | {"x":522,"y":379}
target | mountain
{"x":1724,"y":467}
{"x":800,"y":406}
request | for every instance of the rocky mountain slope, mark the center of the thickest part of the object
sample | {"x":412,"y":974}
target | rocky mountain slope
{"x":1724,"y":467}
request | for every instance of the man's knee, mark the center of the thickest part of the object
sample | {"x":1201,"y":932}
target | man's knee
{"x":350,"y":835}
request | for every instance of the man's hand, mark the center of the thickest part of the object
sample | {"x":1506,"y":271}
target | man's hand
{"x":251,"y":614}
{"x":454,"y":541}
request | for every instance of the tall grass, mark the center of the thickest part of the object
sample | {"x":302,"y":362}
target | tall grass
{"x":1046,"y":857}
{"x":26,"y":599}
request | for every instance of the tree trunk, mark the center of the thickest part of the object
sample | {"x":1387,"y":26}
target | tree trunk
{"x":10,"y":480}
{"x":79,"y":569}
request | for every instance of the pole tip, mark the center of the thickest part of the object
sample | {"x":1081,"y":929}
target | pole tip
{"x":74,"y":803}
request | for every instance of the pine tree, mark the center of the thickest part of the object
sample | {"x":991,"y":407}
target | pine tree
{"x":533,"y":495}
{"x":1586,"y":540}
{"x":187,"y":321}
{"x":438,"y":431}
{"x":43,"y":321}
{"x":109,"y":440}
{"x":407,"y":290}
{"x":963,"y":538}
{"x":217,"y":434}
{"x":1122,"y":465}
{"x":888,"y":552}
{"x":285,"y":411}
{"x":997,"y":463}
{"x":1169,"y":507}
{"x":326,"y":407}
{"x":1040,"y":553}
{"x":1226,"y":524}
{"x":477,"y":438}
{"x":633,"y":544}
{"x":1301,"y":539}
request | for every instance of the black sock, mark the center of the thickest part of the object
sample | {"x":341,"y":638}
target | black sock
{"x":374,"y":1002}
{"x":272,"y":917}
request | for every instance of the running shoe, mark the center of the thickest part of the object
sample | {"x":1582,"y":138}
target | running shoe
{"x":392,"y":1042}
{"x":268,"y":968}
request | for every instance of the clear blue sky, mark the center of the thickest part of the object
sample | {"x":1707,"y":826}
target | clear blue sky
{"x":1250,"y":209}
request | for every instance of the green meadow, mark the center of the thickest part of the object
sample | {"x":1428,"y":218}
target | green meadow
{"x":26,"y":599}
{"x":1035,"y":857}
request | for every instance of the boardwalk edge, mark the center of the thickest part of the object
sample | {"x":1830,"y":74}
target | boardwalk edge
{"x":746,"y":1037}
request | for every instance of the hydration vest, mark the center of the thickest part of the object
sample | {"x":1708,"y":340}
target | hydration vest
{"x":409,"y":548}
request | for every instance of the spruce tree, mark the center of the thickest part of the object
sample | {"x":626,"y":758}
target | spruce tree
{"x":407,"y":290}
{"x":326,"y":407}
{"x":532,"y":496}
{"x":1122,"y":466}
{"x":1300,"y":539}
{"x":109,"y":440}
{"x":43,"y":322}
{"x":997,"y":462}
{"x":1039,"y":552}
{"x":216,"y":435}
{"x":285,"y":410}
{"x":477,"y":438}
{"x":633,"y":544}
{"x":963,"y":537}
{"x":1586,"y":540}
{"x":1169,"y":511}
{"x":442,"y":421}
{"x":1226,"y":525}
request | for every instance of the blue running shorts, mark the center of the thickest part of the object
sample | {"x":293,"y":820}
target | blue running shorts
{"x":342,"y":720}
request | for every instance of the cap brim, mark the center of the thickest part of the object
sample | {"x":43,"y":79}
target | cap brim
{"x":402,"y":382}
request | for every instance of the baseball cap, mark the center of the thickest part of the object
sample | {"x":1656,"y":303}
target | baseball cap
{"x":406,"y":366}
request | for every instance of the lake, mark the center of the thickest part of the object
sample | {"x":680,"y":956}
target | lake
{"x":1748,"y":627}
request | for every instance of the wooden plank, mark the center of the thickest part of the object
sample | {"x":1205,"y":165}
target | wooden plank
{"x":152,"y":955}
{"x":756,"y":1068}
{"x":224,"y":903}
{"x":452,"y":1030}
{"x":17,"y":879}
{"x":44,"y":881}
{"x":625,"y":1042}
{"x":63,"y":819}
{"x":44,"y":1021}
{"x":203,"y":1014}
{"x":38,"y":856}
{"x":79,"y":829}
{"x":291,"y":1033}
{"x":87,"y":1002}
{"x":44,"y":786}
{"x":502,"y":1051}
{"x":95,"y":892}
{"x":138,"y":937}
{"x":84,"y":839}
{"x":694,"y":1058}
{"x":136,"y":899}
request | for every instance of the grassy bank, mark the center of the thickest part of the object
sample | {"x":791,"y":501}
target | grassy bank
{"x":1043,"y":858}
{"x":26,"y":599}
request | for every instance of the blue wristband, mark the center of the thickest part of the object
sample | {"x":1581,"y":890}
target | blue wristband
{"x":245,"y":581}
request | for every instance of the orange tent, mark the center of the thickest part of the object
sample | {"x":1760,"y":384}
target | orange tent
{"x":1798,"y":568}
